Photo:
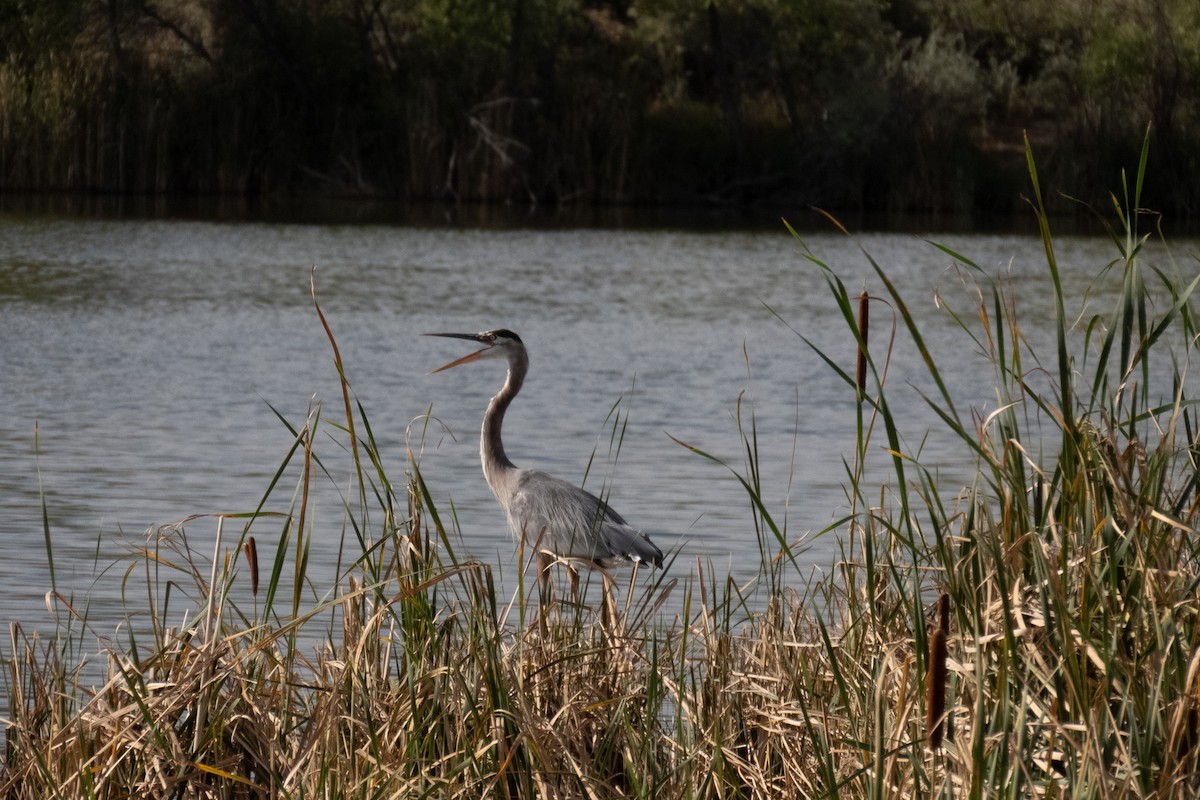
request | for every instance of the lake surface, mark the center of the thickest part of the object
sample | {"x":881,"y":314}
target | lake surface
{"x":148,"y":355}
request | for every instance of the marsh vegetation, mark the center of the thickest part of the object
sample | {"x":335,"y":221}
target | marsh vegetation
{"x":1035,"y":633}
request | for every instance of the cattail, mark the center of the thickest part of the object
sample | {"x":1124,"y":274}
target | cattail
{"x":935,"y":700}
{"x":251,"y":551}
{"x":863,"y":331}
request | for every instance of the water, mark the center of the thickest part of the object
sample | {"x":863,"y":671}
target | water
{"x":148,"y":354}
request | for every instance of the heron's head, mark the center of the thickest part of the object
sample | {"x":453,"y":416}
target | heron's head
{"x":500,"y":343}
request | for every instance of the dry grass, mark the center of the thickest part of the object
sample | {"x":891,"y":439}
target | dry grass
{"x":1055,"y":601}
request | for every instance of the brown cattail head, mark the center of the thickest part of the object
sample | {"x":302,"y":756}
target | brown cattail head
{"x":251,"y":551}
{"x":943,"y":608}
{"x":864,"y":327}
{"x":935,"y":698}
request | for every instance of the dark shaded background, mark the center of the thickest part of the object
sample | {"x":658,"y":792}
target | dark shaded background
{"x":850,"y":105}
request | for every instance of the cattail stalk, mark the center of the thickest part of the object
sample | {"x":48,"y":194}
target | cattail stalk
{"x":864,"y":326}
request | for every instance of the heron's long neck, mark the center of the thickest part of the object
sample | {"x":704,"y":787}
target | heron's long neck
{"x":497,"y":469}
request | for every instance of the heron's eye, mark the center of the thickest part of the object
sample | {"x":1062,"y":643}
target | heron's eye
{"x":489,"y":337}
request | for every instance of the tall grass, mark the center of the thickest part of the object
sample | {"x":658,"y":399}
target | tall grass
{"x":1035,"y":634}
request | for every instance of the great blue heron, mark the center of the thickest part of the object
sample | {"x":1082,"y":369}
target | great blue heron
{"x":559,"y":521}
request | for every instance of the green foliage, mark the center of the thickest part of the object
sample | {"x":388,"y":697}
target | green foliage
{"x":841,"y":103}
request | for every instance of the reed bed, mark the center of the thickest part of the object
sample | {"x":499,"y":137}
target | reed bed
{"x":1036,"y":634}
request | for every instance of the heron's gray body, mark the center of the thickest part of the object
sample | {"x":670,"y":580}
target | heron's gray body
{"x":570,"y":523}
{"x":551,"y":516}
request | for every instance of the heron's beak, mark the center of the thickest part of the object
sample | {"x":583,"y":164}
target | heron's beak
{"x":474,"y":337}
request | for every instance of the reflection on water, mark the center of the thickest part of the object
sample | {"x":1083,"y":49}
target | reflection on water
{"x":326,"y":210}
{"x":151,"y":356}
